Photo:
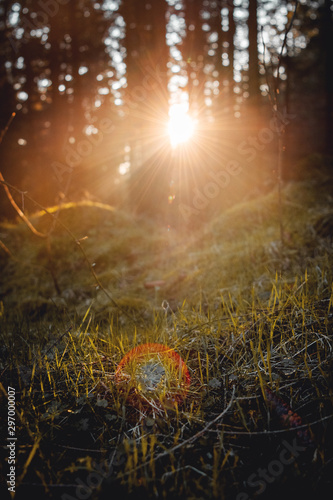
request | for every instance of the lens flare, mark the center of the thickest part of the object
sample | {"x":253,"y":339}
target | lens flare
{"x":153,"y":375}
{"x":181,"y":126}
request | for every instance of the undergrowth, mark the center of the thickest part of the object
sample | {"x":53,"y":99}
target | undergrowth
{"x":248,"y":317}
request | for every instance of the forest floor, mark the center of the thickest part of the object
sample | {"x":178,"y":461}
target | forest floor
{"x":251,"y":318}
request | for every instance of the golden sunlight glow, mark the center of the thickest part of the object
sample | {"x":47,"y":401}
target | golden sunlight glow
{"x":181,"y":126}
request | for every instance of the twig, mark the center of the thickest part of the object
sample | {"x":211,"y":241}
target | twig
{"x":76,"y":240}
{"x":274,"y":99}
{"x":274,"y":102}
{"x":18,"y":210}
{"x":56,"y":220}
{"x":8,"y":193}
{"x":275,"y":431}
{"x":188,"y":441}
{"x":6,"y":250}
{"x":5,"y":130}
{"x":283,"y":46}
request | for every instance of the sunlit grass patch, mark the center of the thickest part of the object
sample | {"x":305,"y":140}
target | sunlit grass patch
{"x":245,"y":315}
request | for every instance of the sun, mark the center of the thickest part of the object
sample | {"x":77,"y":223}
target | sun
{"x":181,"y":126}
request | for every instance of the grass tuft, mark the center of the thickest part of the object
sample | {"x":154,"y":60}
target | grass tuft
{"x":251,"y":320}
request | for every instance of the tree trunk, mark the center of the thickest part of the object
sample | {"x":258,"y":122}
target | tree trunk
{"x":193,"y":54}
{"x":253,"y":50}
{"x":328,"y":51}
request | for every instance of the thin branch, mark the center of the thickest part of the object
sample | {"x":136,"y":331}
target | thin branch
{"x":8,"y":193}
{"x":5,"y":130}
{"x":270,"y":97}
{"x":273,"y":98}
{"x":18,"y":210}
{"x":71,"y":234}
{"x":283,"y":46}
{"x":275,"y":431}
{"x":56,"y":220}
{"x":6,"y":249}
{"x":190,"y":440}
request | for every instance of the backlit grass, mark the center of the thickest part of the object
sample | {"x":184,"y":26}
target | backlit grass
{"x":243,"y":312}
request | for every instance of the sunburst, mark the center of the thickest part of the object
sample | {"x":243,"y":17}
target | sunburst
{"x":181,"y":125}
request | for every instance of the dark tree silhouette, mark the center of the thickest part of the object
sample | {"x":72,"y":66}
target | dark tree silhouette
{"x":327,"y":50}
{"x":58,"y":73}
{"x":146,"y":98}
{"x":253,"y":50}
{"x":193,"y":53}
{"x":146,"y":102}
